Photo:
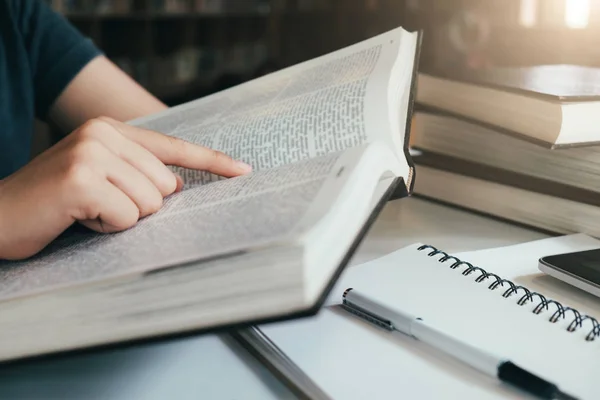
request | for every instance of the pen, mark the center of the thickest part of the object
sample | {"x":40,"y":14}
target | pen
{"x":265,"y":351}
{"x":490,"y":364}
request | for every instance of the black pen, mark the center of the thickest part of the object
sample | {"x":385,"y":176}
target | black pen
{"x":490,"y":364}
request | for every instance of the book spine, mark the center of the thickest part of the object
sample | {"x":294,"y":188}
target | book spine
{"x":410,"y":184}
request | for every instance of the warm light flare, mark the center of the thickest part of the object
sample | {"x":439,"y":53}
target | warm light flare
{"x":577,"y":13}
{"x":528,"y":14}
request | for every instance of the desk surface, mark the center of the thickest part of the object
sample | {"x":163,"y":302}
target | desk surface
{"x":210,"y":366}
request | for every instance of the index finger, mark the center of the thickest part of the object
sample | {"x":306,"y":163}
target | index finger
{"x":178,"y":152}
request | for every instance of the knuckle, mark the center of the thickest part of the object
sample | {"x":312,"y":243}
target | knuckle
{"x":79,"y":176}
{"x":83,"y":152}
{"x":128,"y":217}
{"x":128,"y":220}
{"x":156,"y":204}
{"x":90,"y":129}
{"x":217,"y":158}
{"x":95,"y":128}
{"x":86,"y":212}
{"x":80,"y":169}
{"x":104,"y":119}
{"x":152,"y":205}
{"x":168,"y":185}
{"x":178,"y":146}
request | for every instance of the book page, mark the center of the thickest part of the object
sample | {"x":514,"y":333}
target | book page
{"x":315,"y":108}
{"x":222,"y":218}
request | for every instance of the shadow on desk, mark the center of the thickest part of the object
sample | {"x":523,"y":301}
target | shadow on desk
{"x":208,"y":367}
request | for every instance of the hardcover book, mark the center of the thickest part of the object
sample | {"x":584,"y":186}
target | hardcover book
{"x":328,"y":141}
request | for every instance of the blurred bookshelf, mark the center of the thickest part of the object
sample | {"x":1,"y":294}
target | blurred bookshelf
{"x":184,"y":49}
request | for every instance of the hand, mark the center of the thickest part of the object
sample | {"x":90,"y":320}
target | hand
{"x":106,"y":175}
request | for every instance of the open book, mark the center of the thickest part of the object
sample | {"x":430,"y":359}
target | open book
{"x":328,"y":140}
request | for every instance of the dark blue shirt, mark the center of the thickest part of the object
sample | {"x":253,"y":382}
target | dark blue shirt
{"x":40,"y":53}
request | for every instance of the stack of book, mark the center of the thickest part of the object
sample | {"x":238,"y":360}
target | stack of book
{"x":521,"y":144}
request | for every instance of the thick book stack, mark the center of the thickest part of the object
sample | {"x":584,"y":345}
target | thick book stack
{"x":521,"y":144}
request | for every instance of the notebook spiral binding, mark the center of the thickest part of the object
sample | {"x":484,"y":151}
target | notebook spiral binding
{"x":577,"y":323}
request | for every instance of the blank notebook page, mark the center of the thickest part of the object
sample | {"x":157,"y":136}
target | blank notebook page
{"x":418,"y":283}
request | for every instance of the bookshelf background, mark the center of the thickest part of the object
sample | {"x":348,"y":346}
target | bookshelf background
{"x":178,"y":49}
{"x":184,"y":49}
{"x":181,"y":50}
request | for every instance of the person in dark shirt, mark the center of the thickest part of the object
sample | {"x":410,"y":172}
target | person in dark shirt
{"x":104,"y":173}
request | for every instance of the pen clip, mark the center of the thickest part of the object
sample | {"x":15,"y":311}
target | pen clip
{"x":368,"y":316}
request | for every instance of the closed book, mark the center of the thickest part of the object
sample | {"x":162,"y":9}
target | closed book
{"x":553,"y":105}
{"x":543,"y":205}
{"x":458,"y":138}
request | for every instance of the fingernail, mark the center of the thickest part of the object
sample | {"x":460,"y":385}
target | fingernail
{"x":180,"y":183}
{"x":243,"y":167}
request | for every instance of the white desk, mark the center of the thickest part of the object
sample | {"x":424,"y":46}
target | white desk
{"x":208,"y":367}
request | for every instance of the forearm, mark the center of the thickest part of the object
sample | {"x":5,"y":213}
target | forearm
{"x":102,"y":89}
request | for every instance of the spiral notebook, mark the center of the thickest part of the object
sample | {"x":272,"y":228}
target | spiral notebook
{"x":496,"y":299}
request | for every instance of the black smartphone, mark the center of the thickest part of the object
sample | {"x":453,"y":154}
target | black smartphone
{"x":580,"y":269}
